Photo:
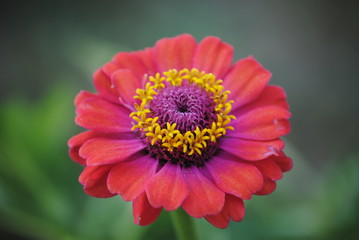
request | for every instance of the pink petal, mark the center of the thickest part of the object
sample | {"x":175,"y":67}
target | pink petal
{"x":220,"y":220}
{"x":251,"y":150}
{"x":83,"y":95}
{"x":204,"y":197}
{"x":128,"y":60}
{"x":74,"y":155}
{"x":126,"y":84}
{"x":271,"y":96}
{"x":80,"y":138}
{"x":213,"y":56}
{"x":143,"y":213}
{"x":174,"y":52}
{"x":237,"y":178}
{"x":100,"y":151}
{"x":284,"y":162}
{"x":75,"y":143}
{"x":128,"y":178}
{"x":104,"y":86}
{"x":246,"y":81}
{"x":269,"y":169}
{"x":265,"y":123}
{"x":94,"y":181}
{"x":268,"y":187}
{"x":102,"y":116}
{"x":233,"y":209}
{"x":146,"y":57}
{"x":167,"y":188}
{"x":109,"y":68}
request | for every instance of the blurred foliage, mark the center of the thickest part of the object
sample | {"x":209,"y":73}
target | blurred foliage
{"x":40,"y":197}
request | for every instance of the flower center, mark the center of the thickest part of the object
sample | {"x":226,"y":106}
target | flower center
{"x":181,"y":115}
{"x":186,"y":106}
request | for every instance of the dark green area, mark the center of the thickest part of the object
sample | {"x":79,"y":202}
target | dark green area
{"x":49,"y":50}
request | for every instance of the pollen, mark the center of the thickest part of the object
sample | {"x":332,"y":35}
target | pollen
{"x":168,"y":130}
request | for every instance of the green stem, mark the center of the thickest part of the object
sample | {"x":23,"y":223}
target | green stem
{"x":184,"y":225}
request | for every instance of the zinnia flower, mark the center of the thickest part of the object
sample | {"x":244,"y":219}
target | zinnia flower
{"x":179,"y":125}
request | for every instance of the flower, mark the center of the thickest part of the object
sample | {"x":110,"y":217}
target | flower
{"x":179,"y":125}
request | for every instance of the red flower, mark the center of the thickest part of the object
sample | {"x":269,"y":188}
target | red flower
{"x":179,"y":125}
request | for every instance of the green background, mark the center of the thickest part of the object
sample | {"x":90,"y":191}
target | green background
{"x":49,"y":50}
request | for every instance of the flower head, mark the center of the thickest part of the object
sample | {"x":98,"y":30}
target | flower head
{"x":179,"y":125}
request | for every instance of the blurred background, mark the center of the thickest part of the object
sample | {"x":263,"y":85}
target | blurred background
{"x":49,"y":50}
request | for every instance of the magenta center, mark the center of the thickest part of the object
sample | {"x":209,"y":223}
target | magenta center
{"x":189,"y":107}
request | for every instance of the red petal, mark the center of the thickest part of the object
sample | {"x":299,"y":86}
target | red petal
{"x":234,"y":177}
{"x":126,"y":84}
{"x":271,"y":96}
{"x":220,"y":220}
{"x":102,"y":116}
{"x":284,"y":162}
{"x":110,"y":68}
{"x":143,"y":213}
{"x":146,"y":57}
{"x":204,"y":197}
{"x":128,"y":178}
{"x":268,"y":187}
{"x":246,"y":80}
{"x":83,"y":95}
{"x":74,"y":155}
{"x":76,"y":141}
{"x":104,"y":86}
{"x":131,"y":61}
{"x":233,"y":209}
{"x":269,"y":169}
{"x":213,"y":56}
{"x":94,"y":181}
{"x":174,"y":52}
{"x":167,"y":188}
{"x":100,"y":151}
{"x":262,"y":124}
{"x":251,"y":150}
{"x":80,"y":138}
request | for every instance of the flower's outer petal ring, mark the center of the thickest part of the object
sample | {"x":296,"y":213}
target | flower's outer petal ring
{"x":268,"y":187}
{"x":262,"y":124}
{"x":246,"y":81}
{"x":94,"y":181}
{"x":167,"y":188}
{"x":251,"y":150}
{"x":213,"y":56}
{"x":146,"y":57}
{"x":143,"y":213}
{"x":104,"y":87}
{"x":100,"y":151}
{"x":233,"y":209}
{"x":269,"y":168}
{"x":76,"y":141}
{"x":131,"y":61}
{"x":271,"y":96}
{"x":83,"y":95}
{"x":204,"y":197}
{"x":284,"y":162}
{"x":126,"y":84}
{"x":234,"y":177}
{"x":102,"y":116}
{"x":220,"y":220}
{"x":174,"y":52}
{"x":128,"y":178}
